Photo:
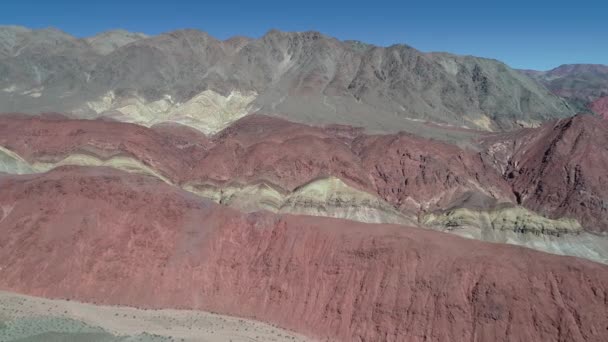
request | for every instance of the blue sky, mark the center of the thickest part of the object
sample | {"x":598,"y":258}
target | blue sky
{"x":524,"y":34}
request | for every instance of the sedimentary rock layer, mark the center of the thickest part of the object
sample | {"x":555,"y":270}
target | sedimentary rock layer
{"x":109,"y":237}
{"x":600,"y":106}
{"x":580,"y":84}
{"x":329,"y":197}
{"x":559,"y":170}
{"x":519,"y":226}
{"x":409,"y":173}
{"x":190,"y":77}
{"x":336,"y":171}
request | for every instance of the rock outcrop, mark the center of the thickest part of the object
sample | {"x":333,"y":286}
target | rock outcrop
{"x":408,"y":172}
{"x":519,"y":226}
{"x":580,"y":84}
{"x":265,"y":163}
{"x":105,"y":236}
{"x":600,"y":107}
{"x":187,"y":76}
{"x":559,"y":170}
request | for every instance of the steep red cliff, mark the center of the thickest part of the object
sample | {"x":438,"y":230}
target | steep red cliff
{"x":600,"y":106}
{"x":559,"y":169}
{"x":101,"y":235}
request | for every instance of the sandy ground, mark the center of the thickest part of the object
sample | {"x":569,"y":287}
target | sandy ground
{"x":124,"y":323}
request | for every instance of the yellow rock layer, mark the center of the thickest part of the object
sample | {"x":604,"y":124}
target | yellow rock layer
{"x":329,"y":197}
{"x":515,"y":219}
{"x":208,"y":112}
{"x":119,"y":162}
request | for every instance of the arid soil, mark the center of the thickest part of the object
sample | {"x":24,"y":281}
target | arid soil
{"x":39,"y":319}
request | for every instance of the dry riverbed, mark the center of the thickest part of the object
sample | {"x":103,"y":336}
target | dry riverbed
{"x":32,"y":319}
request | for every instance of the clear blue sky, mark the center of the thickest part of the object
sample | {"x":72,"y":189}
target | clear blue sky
{"x":524,"y":34}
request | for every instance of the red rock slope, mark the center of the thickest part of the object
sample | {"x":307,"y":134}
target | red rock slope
{"x":170,"y":150}
{"x":410,"y":172}
{"x":560,"y":169}
{"x":600,"y":106}
{"x":101,"y":235}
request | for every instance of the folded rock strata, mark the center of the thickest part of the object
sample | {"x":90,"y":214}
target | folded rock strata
{"x":559,"y":169}
{"x":336,"y":171}
{"x":105,"y":236}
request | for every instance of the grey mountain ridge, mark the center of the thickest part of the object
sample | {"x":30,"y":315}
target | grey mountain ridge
{"x":302,"y":76}
{"x":579,"y":83}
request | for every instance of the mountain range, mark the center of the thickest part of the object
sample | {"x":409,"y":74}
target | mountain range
{"x":345,"y":191}
{"x":585,"y":86}
{"x":190,"y":77}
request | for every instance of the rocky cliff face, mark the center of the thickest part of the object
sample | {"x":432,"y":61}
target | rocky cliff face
{"x":600,"y":106}
{"x":105,"y":236}
{"x":192,"y":78}
{"x":411,"y":174}
{"x":106,"y":42}
{"x":559,"y":169}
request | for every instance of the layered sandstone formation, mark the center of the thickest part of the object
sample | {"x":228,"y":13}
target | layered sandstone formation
{"x":179,"y":194}
{"x":337,"y":171}
{"x":519,"y":226}
{"x":330,"y":197}
{"x":208,"y":112}
{"x":559,"y":170}
{"x":105,"y":236}
{"x":405,"y":171}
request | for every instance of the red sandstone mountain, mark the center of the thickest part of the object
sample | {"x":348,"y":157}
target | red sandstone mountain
{"x":559,"y":169}
{"x":52,"y":138}
{"x":101,"y":235}
{"x":409,"y":172}
{"x":395,"y":167}
{"x":600,"y":106}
